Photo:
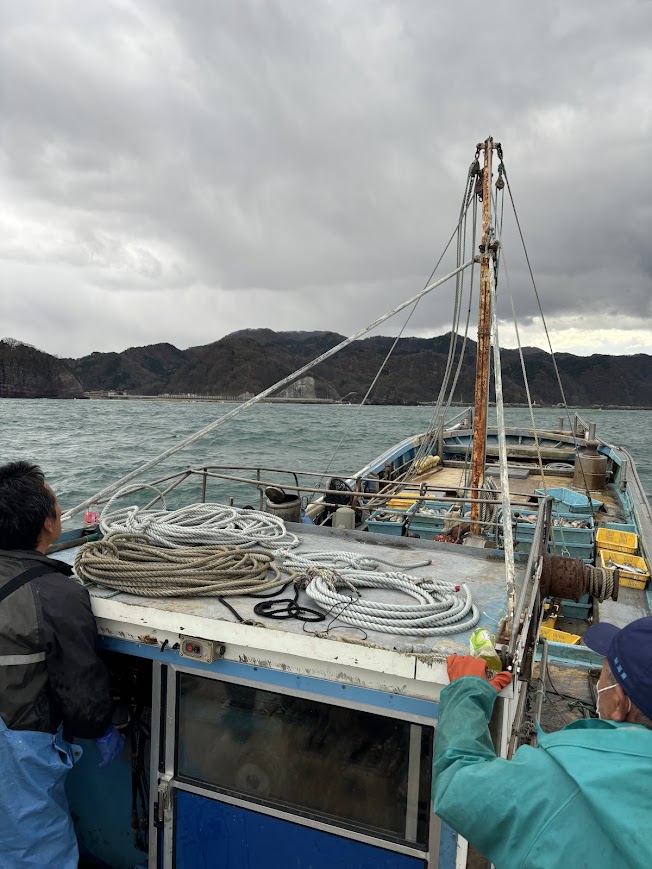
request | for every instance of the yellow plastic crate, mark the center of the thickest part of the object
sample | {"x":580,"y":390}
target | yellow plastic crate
{"x":402,"y":502}
{"x":628,"y":578}
{"x":554,"y":636}
{"x":616,"y":541}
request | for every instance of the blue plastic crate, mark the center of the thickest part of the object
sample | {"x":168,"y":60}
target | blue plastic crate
{"x":575,"y":501}
{"x":524,"y":531}
{"x":568,"y":534}
{"x":387,"y":526}
{"x":585,"y":551}
{"x":620,"y":526}
{"x":427,"y":525}
{"x":572,"y":610}
{"x":522,"y":548}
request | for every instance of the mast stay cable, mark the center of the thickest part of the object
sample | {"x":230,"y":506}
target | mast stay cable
{"x":107,"y":490}
{"x":545,"y":327}
{"x":463,"y":215}
{"x":438,"y":417}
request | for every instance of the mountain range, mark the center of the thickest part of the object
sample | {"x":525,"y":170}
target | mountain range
{"x":246,"y":362}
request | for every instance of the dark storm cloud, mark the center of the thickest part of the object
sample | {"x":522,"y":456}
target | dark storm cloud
{"x":300,"y":164}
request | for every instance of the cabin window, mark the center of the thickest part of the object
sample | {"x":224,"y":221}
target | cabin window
{"x":356,"y":769}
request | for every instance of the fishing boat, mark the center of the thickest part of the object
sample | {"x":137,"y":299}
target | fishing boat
{"x":294,"y":724}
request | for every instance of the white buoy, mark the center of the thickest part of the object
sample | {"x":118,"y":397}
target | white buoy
{"x":344,"y":517}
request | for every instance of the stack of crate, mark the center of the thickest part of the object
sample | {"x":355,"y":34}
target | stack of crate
{"x":617,"y":550}
{"x":566,"y":539}
{"x":389,"y":521}
{"x":570,"y":540}
{"x":428,"y":519}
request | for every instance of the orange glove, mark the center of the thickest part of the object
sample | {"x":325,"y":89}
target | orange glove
{"x":467,"y":665}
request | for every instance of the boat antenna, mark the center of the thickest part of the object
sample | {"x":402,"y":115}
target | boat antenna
{"x":487,"y":255}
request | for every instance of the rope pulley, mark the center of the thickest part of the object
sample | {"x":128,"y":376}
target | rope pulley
{"x":478,"y":185}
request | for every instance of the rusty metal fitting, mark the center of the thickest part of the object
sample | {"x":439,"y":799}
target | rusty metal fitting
{"x":563,"y":577}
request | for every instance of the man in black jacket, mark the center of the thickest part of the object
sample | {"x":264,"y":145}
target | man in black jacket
{"x":53,"y":685}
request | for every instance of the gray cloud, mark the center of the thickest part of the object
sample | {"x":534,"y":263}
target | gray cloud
{"x":186,"y":169}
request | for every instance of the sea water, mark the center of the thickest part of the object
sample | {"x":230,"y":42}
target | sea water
{"x":84,"y":446}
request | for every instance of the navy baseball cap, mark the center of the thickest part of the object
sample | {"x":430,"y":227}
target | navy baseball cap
{"x":628,"y":651}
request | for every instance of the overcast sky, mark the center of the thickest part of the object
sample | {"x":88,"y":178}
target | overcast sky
{"x":175,"y":170}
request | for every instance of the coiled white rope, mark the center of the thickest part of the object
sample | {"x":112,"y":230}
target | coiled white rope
{"x":201,"y":525}
{"x":339,"y":560}
{"x":442,"y":607}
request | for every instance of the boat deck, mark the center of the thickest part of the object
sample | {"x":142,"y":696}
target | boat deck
{"x":483,"y":571}
{"x":450,"y":479}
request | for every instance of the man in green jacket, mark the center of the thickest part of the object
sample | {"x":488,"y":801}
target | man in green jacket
{"x":583,"y":797}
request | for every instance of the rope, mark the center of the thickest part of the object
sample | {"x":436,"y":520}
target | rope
{"x":201,"y":525}
{"x":545,"y":327}
{"x":438,"y":416}
{"x":600,"y":580}
{"x":128,"y":563}
{"x":113,"y":487}
{"x":354,"y":418}
{"x":442,"y":607}
{"x":340,"y":561}
{"x":488,"y":495}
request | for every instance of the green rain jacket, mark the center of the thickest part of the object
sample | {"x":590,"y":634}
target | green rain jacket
{"x":583,"y":798}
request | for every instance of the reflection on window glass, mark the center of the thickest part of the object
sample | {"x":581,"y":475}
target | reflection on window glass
{"x":325,"y":761}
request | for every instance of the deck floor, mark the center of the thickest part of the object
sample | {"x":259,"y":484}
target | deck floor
{"x":449,"y":479}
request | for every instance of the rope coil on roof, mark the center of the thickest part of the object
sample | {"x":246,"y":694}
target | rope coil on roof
{"x":441,"y":608}
{"x":201,"y":525}
{"x":130,"y":564}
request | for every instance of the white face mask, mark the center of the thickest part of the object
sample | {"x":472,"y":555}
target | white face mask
{"x":608,"y":688}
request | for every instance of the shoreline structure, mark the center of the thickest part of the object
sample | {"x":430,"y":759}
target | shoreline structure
{"x":235,"y":399}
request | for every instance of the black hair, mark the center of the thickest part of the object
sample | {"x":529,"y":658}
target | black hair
{"x":25,"y":504}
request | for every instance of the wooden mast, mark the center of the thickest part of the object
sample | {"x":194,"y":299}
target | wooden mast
{"x":484,"y":343}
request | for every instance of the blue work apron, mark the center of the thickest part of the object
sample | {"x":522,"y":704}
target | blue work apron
{"x":35,"y":825}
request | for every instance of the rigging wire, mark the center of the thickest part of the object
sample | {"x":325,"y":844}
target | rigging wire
{"x":107,"y":490}
{"x":545,"y":327}
{"x":437,"y":418}
{"x":462,"y":218}
{"x":468,"y":312}
{"x":503,"y":261}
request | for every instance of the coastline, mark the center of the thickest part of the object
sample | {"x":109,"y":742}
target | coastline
{"x":235,"y":399}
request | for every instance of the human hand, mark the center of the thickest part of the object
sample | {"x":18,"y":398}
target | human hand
{"x":466,"y":665}
{"x":110,"y":746}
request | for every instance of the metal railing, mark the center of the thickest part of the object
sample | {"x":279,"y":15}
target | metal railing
{"x":370,"y":493}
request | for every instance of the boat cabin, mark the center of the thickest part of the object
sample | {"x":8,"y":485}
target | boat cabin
{"x":256,"y":741}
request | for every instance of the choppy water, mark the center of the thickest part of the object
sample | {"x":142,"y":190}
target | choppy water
{"x":84,"y":445}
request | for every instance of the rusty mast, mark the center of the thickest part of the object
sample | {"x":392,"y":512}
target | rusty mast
{"x":487,"y":251}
